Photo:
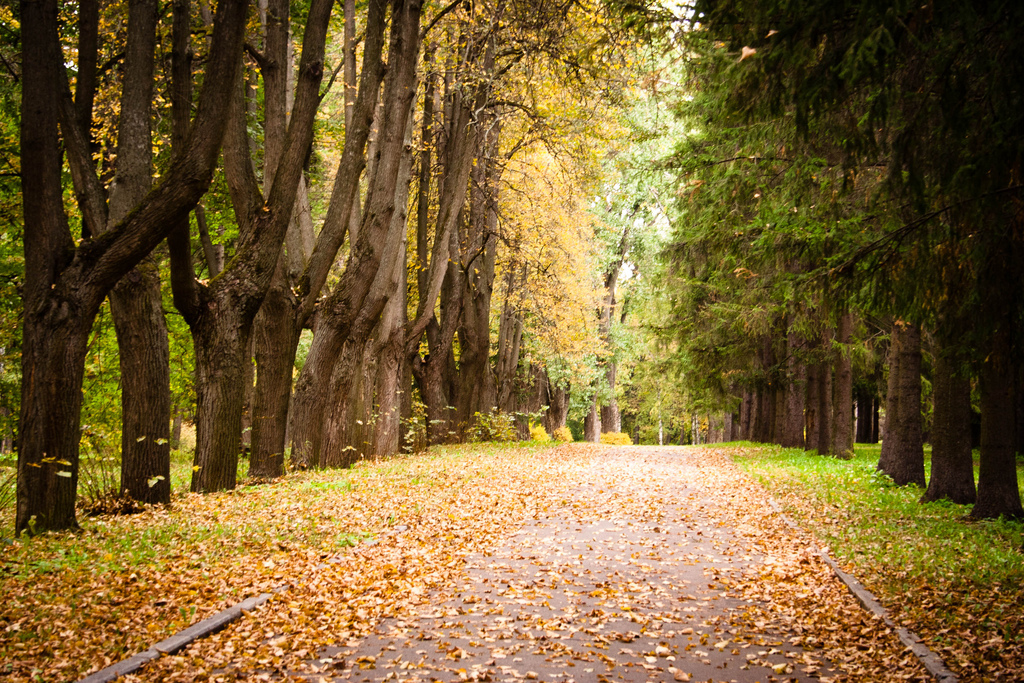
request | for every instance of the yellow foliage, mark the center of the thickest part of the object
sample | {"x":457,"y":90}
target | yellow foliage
{"x":538,"y":433}
{"x":563,"y":435}
{"x":616,"y":439}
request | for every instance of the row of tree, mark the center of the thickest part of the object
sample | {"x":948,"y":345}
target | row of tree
{"x":209,"y":152}
{"x":847,"y":195}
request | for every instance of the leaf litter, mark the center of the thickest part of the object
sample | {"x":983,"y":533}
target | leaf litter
{"x":674,"y":564}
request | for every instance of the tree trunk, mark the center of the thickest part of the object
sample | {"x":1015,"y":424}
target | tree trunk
{"x":221,"y":343}
{"x":952,"y":474}
{"x":998,"y":492}
{"x":824,"y":407}
{"x":792,"y":422}
{"x":276,"y":340}
{"x":176,"y":430}
{"x":558,"y":407}
{"x":144,"y":352}
{"x":592,"y":423}
{"x":745,"y":413}
{"x":865,"y":404}
{"x":611,"y":418}
{"x":905,"y":463}
{"x":842,"y":392}
{"x":812,"y":403}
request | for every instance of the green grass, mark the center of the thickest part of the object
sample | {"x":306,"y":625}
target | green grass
{"x":948,"y":575}
{"x":870,"y":523}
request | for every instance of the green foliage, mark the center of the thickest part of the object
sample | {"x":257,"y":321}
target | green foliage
{"x":494,"y":426}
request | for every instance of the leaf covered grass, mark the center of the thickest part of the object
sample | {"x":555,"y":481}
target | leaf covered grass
{"x":75,"y":602}
{"x":956,"y":583}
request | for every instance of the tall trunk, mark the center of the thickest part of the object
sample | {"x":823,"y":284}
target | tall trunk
{"x":276,"y":339}
{"x":478,"y":392}
{"x":825,"y":404}
{"x":792,"y":432}
{"x":558,"y":407}
{"x":611,"y":418}
{"x":221,"y":345}
{"x":952,"y":472}
{"x":842,"y":391}
{"x":592,"y":423}
{"x":890,"y":432}
{"x":998,"y":492}
{"x":865,"y":402}
{"x":510,"y":336}
{"x":64,"y":283}
{"x":907,"y":455}
{"x":136,"y":302}
{"x":746,"y":407}
{"x":812,"y":402}
{"x":144,"y":352}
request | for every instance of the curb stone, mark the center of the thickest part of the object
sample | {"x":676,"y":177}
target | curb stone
{"x":181,"y":639}
{"x":931,"y":661}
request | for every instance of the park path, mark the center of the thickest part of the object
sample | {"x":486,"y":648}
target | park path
{"x":644,"y":573}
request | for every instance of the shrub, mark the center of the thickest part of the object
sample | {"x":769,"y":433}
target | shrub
{"x":496,"y":426}
{"x":538,"y":433}
{"x":563,"y":435}
{"x":616,"y":439}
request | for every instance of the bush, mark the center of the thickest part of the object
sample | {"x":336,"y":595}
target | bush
{"x":538,"y":433}
{"x":616,"y":439}
{"x":563,"y":435}
{"x":496,"y":426}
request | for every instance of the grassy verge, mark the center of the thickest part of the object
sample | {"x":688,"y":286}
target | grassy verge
{"x":77,"y":601}
{"x":955,"y":582}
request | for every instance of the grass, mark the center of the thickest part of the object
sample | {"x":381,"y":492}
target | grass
{"x":930,"y":564}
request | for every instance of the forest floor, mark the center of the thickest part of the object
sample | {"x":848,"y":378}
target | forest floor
{"x":478,"y":562}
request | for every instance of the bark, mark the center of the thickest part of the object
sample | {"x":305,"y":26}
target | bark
{"x":354,"y":306}
{"x":952,"y":471}
{"x":176,"y":431}
{"x":890,"y":432}
{"x":998,"y":491}
{"x":812,"y":401}
{"x":558,"y":407}
{"x":842,"y":391}
{"x":144,"y":355}
{"x":906,"y":463}
{"x":746,"y":410}
{"x":64,"y":283}
{"x":865,"y":404}
{"x":221,"y":313}
{"x":478,"y":392}
{"x":792,"y":423}
{"x":510,"y":336}
{"x":592,"y":423}
{"x":824,"y":407}
{"x":276,"y":339}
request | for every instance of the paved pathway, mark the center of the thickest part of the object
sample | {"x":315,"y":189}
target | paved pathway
{"x":631,"y":580}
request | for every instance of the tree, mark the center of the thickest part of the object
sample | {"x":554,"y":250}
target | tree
{"x":64,"y":282}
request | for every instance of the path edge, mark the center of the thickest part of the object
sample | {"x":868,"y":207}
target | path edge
{"x":931,"y":661}
{"x":182,"y":639}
